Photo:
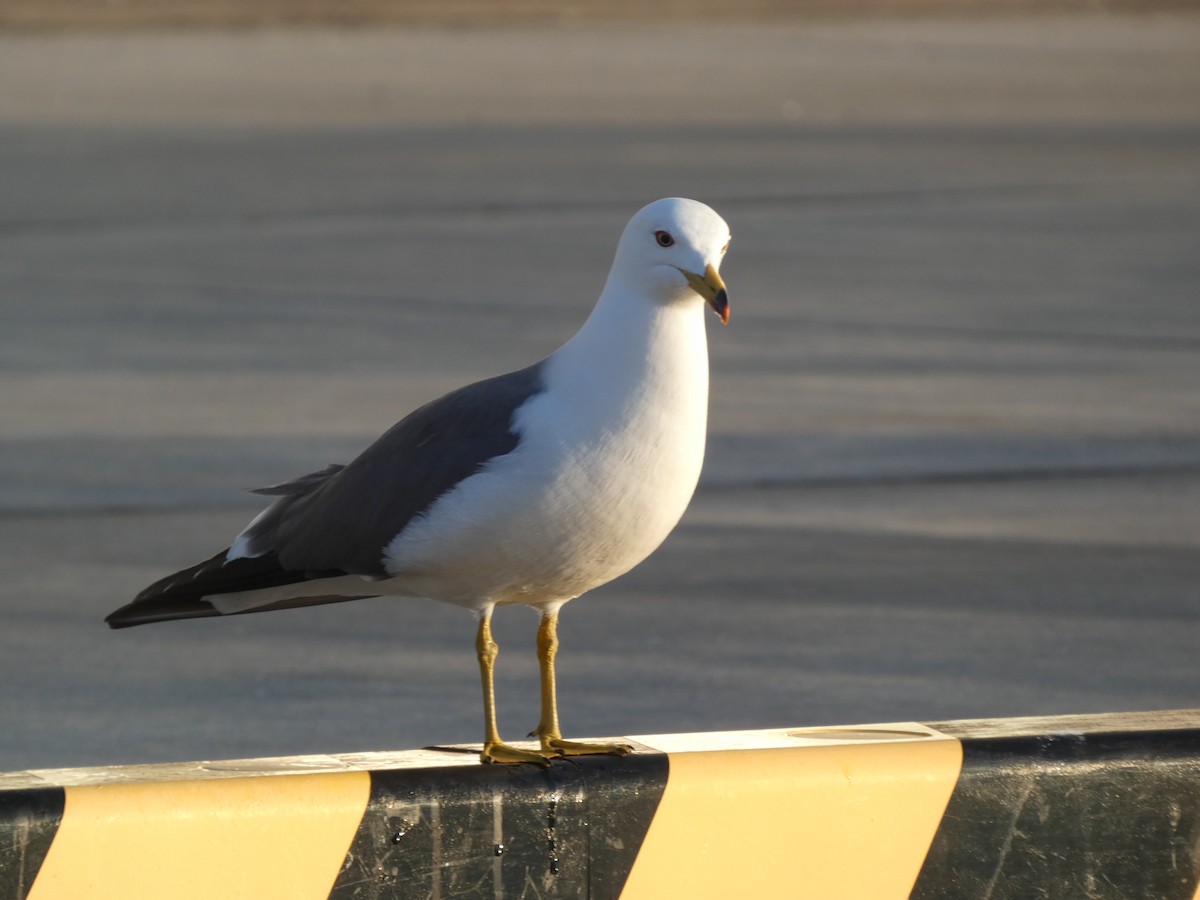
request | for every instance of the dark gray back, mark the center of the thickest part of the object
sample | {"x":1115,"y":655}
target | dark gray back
{"x":343,"y":516}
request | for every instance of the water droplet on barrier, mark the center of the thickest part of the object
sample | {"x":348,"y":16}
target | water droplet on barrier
{"x":401,"y":830}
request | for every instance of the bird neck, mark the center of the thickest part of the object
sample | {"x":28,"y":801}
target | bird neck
{"x":640,"y":347}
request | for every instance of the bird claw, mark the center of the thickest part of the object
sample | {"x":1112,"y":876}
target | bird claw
{"x":552,"y":748}
{"x":506,"y":754}
{"x":582,"y":748}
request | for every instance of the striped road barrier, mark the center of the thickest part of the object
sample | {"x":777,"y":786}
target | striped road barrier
{"x":1103,"y":806}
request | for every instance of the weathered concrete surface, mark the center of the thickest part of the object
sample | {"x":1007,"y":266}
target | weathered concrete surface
{"x":955,"y":457}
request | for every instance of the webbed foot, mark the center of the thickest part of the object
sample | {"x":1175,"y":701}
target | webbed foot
{"x":504,"y":754}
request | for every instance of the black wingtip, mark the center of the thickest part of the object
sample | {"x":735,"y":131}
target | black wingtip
{"x":184,"y":594}
{"x":145,"y":612}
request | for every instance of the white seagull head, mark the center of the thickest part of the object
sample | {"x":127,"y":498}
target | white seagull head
{"x":672,"y":249}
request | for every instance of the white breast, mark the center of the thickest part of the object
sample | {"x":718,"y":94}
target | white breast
{"x":609,"y":457}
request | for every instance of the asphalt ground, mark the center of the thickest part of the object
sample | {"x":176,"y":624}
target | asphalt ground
{"x":954,"y":461}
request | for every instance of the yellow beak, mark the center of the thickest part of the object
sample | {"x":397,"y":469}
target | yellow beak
{"x":711,"y":288}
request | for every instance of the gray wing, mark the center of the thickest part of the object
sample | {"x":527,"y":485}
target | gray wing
{"x":341,"y":518}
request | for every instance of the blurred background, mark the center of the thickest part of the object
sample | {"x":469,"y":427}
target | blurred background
{"x":954,"y":458}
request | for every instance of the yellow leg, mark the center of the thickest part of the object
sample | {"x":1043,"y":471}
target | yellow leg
{"x":548,"y":729}
{"x":494,"y":749}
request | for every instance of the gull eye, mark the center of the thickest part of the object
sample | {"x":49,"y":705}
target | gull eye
{"x":664,"y":238}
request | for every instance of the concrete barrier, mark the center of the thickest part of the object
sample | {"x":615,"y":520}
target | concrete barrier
{"x":1065,"y":807}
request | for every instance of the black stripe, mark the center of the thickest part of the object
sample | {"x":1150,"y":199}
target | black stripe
{"x":29,"y":819}
{"x":1079,"y":815}
{"x":570,"y":830}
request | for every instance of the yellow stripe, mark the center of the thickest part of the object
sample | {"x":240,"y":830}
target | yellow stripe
{"x":810,"y":814}
{"x":278,"y":836}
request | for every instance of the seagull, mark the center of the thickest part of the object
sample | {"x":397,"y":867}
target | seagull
{"x":529,"y":488}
